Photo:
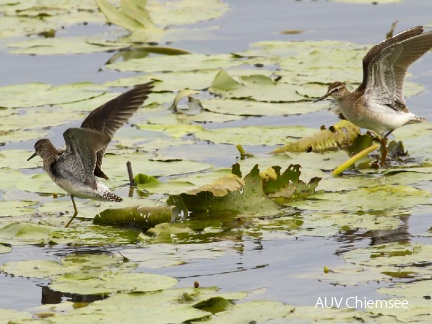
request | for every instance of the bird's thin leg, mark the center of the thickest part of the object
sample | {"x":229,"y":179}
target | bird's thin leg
{"x":388,"y":133}
{"x":384,"y":147}
{"x":383,"y":150}
{"x":75,"y":212}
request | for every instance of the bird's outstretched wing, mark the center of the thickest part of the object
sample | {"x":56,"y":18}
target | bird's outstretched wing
{"x":109,"y":117}
{"x":386,"y":64}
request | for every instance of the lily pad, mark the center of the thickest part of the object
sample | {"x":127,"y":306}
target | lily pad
{"x":83,"y":284}
{"x":21,"y":26}
{"x":255,"y":108}
{"x":385,"y":197}
{"x":254,"y":135}
{"x":254,"y":87}
{"x":181,"y":12}
{"x":5,"y":248}
{"x":59,"y":45}
{"x":8,"y":315}
{"x":254,"y":311}
{"x":23,"y":233}
{"x":40,"y":94}
{"x":177,"y":63}
{"x":85,"y":264}
{"x":166,"y":255}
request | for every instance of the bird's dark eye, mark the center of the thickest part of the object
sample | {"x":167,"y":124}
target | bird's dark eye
{"x":336,"y":90}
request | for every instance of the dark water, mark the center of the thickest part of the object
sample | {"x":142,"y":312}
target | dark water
{"x":274,"y":264}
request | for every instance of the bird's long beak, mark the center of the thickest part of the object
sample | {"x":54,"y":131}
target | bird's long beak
{"x":31,"y":157}
{"x":323,"y":97}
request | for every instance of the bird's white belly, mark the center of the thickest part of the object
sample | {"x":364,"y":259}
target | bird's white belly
{"x":80,"y":190}
{"x":377,"y":117}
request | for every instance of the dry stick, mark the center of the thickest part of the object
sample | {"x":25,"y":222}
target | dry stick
{"x":132,"y":183}
{"x":130,"y":173}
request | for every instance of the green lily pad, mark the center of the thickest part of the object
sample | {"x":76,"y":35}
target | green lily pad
{"x":166,"y":255}
{"x":174,"y":81}
{"x":254,"y":311}
{"x":254,"y":87}
{"x":5,"y":248}
{"x":254,"y":135}
{"x":177,"y":63}
{"x":79,"y":283}
{"x":9,"y":315}
{"x":251,"y":196}
{"x":21,"y":26}
{"x":24,"y":233}
{"x":40,"y":94}
{"x":411,"y":290}
{"x":59,"y":45}
{"x":392,"y":254}
{"x":16,"y":208}
{"x":317,"y":312}
{"x":181,"y":12}
{"x":182,"y":120}
{"x":175,"y":131}
{"x":91,"y":235}
{"x":84,"y":264}
{"x":385,"y":197}
{"x":403,"y":309}
{"x":33,"y":268}
{"x":255,"y":108}
{"x":159,"y":314}
{"x":116,"y":164}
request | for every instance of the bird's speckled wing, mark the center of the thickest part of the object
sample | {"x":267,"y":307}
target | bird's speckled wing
{"x":109,"y":117}
{"x":84,"y":144}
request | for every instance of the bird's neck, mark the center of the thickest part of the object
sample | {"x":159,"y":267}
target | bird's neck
{"x":49,"y":155}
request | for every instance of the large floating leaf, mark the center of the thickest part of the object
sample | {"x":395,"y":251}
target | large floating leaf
{"x":95,"y":284}
{"x":168,"y":255}
{"x":70,"y":45}
{"x":253,"y":135}
{"x":86,"y":264}
{"x":40,"y":94}
{"x":5,"y":248}
{"x":254,"y":311}
{"x":18,"y":26}
{"x":177,"y":63}
{"x":9,"y":315}
{"x":90,"y":235}
{"x":254,"y":197}
{"x":384,"y":197}
{"x":22,"y":233}
{"x":257,"y":108}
